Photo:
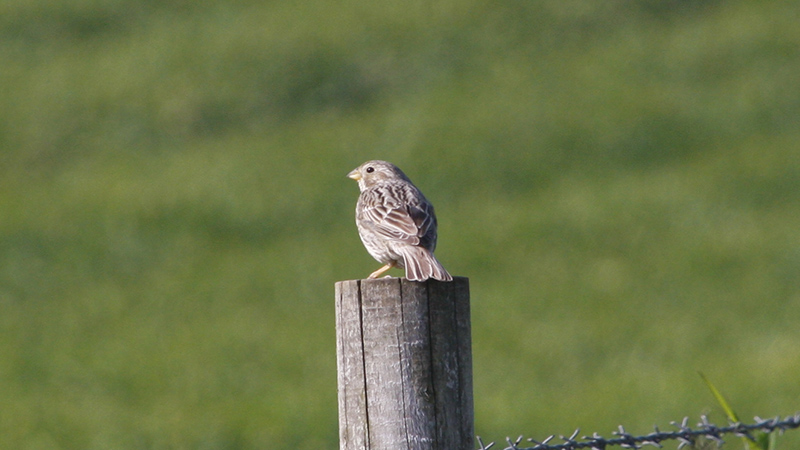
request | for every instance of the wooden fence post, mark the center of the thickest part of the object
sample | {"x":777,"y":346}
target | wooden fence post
{"x":404,"y":360}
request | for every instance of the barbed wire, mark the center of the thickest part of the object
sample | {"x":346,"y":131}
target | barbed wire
{"x":684,"y":435}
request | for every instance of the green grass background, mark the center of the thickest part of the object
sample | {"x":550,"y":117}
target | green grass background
{"x":620,"y":180}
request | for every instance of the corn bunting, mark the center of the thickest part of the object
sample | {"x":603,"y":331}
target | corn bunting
{"x":396,"y":223}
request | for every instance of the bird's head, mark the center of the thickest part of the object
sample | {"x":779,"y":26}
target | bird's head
{"x":374,"y":172}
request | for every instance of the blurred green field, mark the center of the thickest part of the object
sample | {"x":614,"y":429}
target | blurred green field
{"x":620,"y":180}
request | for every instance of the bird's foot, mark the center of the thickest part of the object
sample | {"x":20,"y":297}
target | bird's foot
{"x":380,"y":271}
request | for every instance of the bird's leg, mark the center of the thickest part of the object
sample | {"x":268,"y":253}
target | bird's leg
{"x":380,"y":271}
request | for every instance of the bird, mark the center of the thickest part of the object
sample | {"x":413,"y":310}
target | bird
{"x":396,"y":222}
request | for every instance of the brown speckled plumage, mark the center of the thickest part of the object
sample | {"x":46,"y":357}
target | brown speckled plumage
{"x":396,"y":223}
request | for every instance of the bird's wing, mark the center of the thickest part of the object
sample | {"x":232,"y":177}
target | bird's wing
{"x":389,"y":214}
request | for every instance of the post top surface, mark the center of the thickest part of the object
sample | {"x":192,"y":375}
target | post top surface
{"x":386,"y":280}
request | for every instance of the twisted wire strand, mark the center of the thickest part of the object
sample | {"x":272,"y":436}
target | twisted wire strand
{"x":684,"y":434}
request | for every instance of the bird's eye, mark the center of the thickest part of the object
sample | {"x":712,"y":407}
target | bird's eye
{"x":370,"y":169}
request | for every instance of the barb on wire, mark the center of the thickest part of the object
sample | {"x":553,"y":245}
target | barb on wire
{"x":684,"y":434}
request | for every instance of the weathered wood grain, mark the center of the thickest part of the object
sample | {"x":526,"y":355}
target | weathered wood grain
{"x":404,"y":365}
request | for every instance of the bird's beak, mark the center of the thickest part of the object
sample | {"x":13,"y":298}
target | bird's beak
{"x":355,"y":174}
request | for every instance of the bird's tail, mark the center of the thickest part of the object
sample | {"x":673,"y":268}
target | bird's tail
{"x":420,"y":265}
